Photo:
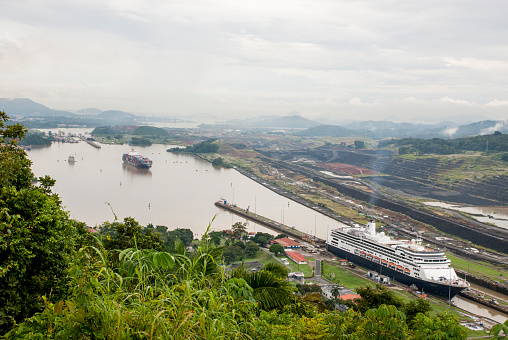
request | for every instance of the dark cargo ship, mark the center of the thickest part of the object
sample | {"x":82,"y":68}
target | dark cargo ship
{"x":135,"y":159}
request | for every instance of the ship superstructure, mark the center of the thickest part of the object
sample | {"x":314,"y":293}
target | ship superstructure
{"x":408,"y":262}
{"x":134,"y":158}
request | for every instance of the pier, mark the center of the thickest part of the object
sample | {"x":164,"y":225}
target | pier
{"x":94,"y":144}
{"x":271,"y":224}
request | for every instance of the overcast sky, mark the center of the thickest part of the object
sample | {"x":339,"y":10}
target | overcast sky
{"x":377,"y":59}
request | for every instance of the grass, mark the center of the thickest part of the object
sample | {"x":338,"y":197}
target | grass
{"x":261,"y":256}
{"x":342,"y":276}
{"x":304,"y":268}
{"x":477,"y":267}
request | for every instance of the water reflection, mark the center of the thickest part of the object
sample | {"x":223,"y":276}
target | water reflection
{"x":134,"y":170}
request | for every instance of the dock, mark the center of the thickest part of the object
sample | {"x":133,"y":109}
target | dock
{"x":271,"y":224}
{"x":94,"y":144}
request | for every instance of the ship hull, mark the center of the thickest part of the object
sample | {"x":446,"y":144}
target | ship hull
{"x":137,"y":165}
{"x":425,"y":286}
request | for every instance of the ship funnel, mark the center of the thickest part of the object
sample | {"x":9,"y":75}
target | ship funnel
{"x":371,"y":228}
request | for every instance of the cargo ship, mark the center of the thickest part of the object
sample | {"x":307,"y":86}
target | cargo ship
{"x":408,"y":262}
{"x":135,"y":159}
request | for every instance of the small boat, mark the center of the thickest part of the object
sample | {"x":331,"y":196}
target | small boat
{"x":71,"y":159}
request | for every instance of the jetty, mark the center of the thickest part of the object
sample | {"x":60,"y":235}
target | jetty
{"x":271,"y":224}
{"x":94,"y":144}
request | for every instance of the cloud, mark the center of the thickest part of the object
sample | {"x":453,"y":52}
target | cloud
{"x":455,"y":101}
{"x":365,"y":59}
{"x":497,"y":103}
{"x":450,"y":131}
{"x":498,"y":126}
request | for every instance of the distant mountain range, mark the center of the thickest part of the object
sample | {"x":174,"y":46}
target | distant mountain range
{"x":274,"y":122}
{"x":27,"y":109}
{"x":386,"y":129}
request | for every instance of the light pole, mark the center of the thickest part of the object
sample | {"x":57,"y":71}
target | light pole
{"x":315,"y":225}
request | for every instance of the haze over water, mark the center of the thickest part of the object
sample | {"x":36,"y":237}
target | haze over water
{"x":179,"y":191}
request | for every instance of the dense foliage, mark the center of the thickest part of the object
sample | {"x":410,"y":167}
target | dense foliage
{"x":208,"y":146}
{"x":36,"y":235}
{"x":496,"y":142}
{"x":142,"y":141}
{"x":36,"y":139}
{"x":104,"y":130}
{"x":151,"y":131}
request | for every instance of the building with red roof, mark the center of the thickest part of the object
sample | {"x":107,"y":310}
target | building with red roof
{"x":287,"y":243}
{"x":350,"y":297}
{"x":298,"y":258}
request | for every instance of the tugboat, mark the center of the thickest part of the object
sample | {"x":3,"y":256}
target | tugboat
{"x":135,"y":159}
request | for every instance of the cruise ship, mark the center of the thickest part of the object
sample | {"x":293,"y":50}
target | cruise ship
{"x":407,"y":262}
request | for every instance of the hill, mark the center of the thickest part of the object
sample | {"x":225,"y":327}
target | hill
{"x":330,"y":130}
{"x":150,"y":131}
{"x":275,"y":122}
{"x":27,"y":107}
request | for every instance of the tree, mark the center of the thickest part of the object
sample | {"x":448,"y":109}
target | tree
{"x":277,"y":269}
{"x":262,"y":241}
{"x":218,"y":161}
{"x":359,"y":144}
{"x":277,"y":249}
{"x":373,"y":297}
{"x":498,"y":330}
{"x":335,"y":292}
{"x":280,"y":236}
{"x":308,"y":288}
{"x":440,"y":326}
{"x":384,"y":322}
{"x":232,"y":254}
{"x":414,"y":307}
{"x":269,"y":291}
{"x":128,"y":234}
{"x":262,"y":238}
{"x":37,"y":236}
{"x":215,"y":237}
{"x":238,"y":229}
{"x":251,"y":249}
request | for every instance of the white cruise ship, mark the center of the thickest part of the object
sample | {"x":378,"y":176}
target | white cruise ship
{"x":405,"y":261}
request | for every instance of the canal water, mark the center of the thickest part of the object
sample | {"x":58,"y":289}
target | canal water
{"x":179,"y":190}
{"x":494,"y":215}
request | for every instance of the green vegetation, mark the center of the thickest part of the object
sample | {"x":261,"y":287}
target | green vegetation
{"x":140,"y":141}
{"x":477,"y":268}
{"x":150,"y":131}
{"x":496,"y":142}
{"x":35,"y":138}
{"x":104,"y":130}
{"x":342,"y":275}
{"x":277,"y":249}
{"x":209,"y":146}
